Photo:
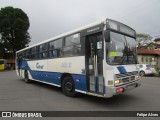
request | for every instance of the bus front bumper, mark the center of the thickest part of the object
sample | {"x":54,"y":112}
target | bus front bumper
{"x":115,"y":90}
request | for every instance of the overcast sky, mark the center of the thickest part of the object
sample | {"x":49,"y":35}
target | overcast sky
{"x":49,"y":18}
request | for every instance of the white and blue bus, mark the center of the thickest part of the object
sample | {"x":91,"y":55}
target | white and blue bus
{"x":98,"y":59}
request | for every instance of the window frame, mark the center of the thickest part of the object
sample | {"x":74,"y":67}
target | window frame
{"x":40,"y":52}
{"x":34,"y":53}
{"x":55,"y":49}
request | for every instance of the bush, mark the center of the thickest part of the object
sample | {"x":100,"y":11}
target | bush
{"x":158,"y":71}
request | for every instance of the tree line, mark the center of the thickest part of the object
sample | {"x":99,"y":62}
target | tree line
{"x":14,"y":25}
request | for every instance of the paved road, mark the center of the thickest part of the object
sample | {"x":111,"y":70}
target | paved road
{"x":16,"y":95}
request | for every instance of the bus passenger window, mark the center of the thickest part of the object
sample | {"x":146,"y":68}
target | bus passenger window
{"x":72,"y":45}
{"x":44,"y":55}
{"x":76,"y":50}
{"x":67,"y":51}
{"x":55,"y":48}
{"x":53,"y":54}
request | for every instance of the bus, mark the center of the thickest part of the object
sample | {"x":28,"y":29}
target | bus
{"x":98,"y":59}
{"x":3,"y":64}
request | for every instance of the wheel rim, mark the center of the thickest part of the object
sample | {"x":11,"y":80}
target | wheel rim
{"x":68,"y":86}
{"x":141,"y":73}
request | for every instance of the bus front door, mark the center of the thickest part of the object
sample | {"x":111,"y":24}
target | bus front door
{"x":94,"y":56}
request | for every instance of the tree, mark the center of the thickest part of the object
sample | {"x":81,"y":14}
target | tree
{"x":143,"y":37}
{"x":14,"y":24}
{"x":144,"y":41}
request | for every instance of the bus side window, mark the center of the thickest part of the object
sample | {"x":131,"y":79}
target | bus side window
{"x":28,"y":54}
{"x":72,"y":45}
{"x":43,"y":51}
{"x":55,"y":48}
{"x":76,"y":50}
{"x":44,"y":55}
{"x":34,"y":51}
{"x":55,"y":53}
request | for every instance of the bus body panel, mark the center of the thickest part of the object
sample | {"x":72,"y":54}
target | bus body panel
{"x":128,"y":68}
{"x":112,"y":73}
{"x":73,"y":65}
{"x":51,"y":70}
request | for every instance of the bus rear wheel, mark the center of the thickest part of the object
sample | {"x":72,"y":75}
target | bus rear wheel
{"x":26,"y":78}
{"x":68,"y":87}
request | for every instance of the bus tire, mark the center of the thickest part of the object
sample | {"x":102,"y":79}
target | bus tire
{"x":68,"y":87}
{"x":26,"y":78}
{"x":141,"y":73}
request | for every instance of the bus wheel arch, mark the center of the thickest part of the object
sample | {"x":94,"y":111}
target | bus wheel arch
{"x":68,"y":85}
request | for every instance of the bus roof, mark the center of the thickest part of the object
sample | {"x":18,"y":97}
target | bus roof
{"x":103,"y":21}
{"x":65,"y":34}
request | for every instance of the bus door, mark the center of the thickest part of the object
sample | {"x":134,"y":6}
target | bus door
{"x":94,"y":62}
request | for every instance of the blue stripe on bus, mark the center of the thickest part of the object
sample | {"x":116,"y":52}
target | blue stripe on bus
{"x":46,"y":76}
{"x":55,"y":78}
{"x":80,"y":82}
{"x":121,"y":69}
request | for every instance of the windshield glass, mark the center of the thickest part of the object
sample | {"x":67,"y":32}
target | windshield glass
{"x":121,"y":49}
{"x":149,"y":66}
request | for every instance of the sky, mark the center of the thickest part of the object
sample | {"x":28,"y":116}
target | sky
{"x":49,"y":18}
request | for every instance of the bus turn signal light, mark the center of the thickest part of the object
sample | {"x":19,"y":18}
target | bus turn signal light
{"x":118,"y":90}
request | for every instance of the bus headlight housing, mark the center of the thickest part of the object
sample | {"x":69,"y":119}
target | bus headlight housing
{"x":117,"y":81}
{"x":136,"y":77}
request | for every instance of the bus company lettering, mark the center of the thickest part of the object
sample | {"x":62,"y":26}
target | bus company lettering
{"x":93,"y":29}
{"x":66,"y":65}
{"x":38,"y":66}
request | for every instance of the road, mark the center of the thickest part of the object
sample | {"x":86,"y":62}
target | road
{"x":16,"y":95}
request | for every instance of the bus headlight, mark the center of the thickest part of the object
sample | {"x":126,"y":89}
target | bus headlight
{"x":117,"y":81}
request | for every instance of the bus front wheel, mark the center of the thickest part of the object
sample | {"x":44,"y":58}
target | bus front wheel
{"x":68,"y":87}
{"x":26,"y":78}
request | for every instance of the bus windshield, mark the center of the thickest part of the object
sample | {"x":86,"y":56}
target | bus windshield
{"x":121,"y":49}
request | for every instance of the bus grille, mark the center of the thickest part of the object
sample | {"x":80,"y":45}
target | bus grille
{"x":128,"y":74}
{"x":132,"y":78}
{"x":127,"y":77}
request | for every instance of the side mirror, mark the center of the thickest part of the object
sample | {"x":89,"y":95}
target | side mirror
{"x":107,"y":35}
